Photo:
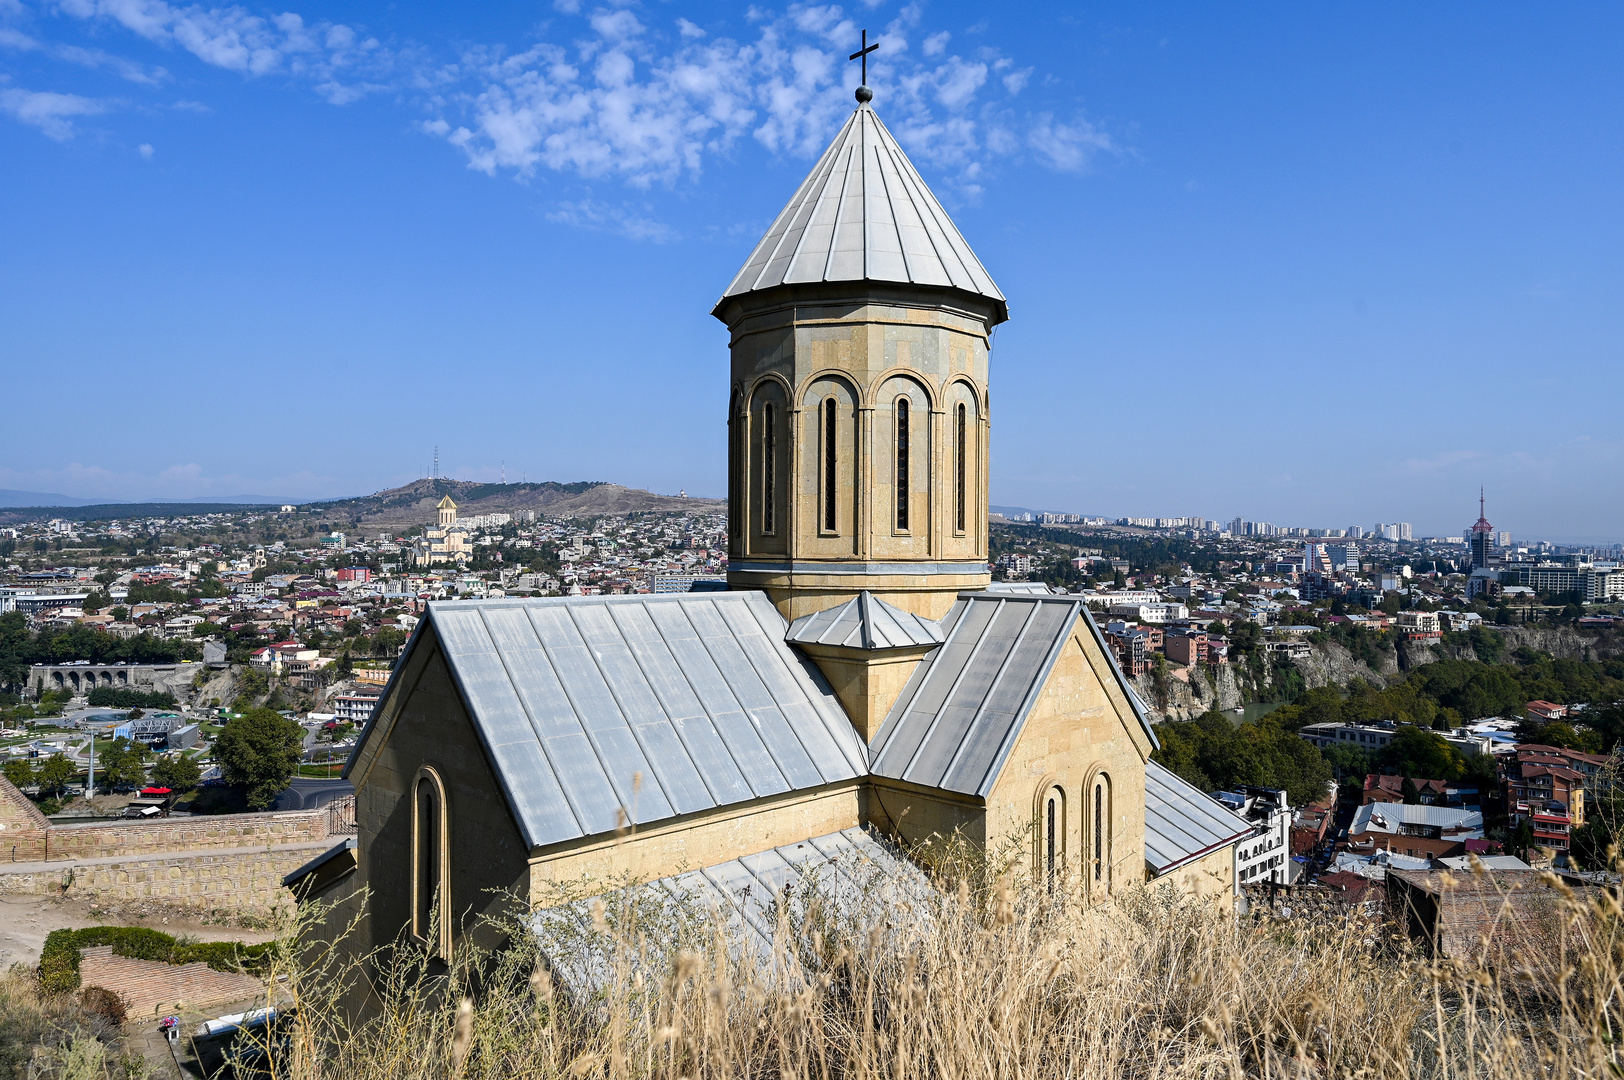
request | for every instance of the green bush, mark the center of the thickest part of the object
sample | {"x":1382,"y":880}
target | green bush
{"x":120,"y":698}
{"x":59,"y":960}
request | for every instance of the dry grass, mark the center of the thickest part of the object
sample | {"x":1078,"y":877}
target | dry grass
{"x":1003,"y":983}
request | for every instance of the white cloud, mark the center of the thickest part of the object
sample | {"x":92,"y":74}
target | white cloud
{"x":1068,"y":147}
{"x":145,"y":150}
{"x":51,"y":113}
{"x":604,"y":217}
{"x":604,"y":95}
{"x":343,"y":66}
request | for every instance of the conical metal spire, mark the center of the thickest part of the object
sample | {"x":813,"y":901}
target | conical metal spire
{"x":864,"y":214}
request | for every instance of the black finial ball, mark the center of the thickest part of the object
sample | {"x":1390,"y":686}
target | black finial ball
{"x":864,"y":95}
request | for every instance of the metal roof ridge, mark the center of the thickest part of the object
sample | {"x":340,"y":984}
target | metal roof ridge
{"x":529,"y":718}
{"x":922,"y":212}
{"x":815,"y":700}
{"x":958,"y":678}
{"x":648,"y":757}
{"x":1027,"y":702}
{"x":992,"y":687}
{"x":766,"y":744}
{"x":899,"y":708}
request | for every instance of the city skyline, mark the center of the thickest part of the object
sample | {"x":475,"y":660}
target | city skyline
{"x":1244,"y":277}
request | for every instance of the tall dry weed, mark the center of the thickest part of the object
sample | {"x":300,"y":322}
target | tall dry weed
{"x":998,"y":981}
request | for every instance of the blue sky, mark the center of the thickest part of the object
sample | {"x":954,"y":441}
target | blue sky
{"x":1306,"y":264}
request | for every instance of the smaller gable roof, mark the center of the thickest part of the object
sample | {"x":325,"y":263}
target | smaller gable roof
{"x":864,"y":622}
{"x":957,"y":719}
{"x":864,"y":881}
{"x":1182,"y":822}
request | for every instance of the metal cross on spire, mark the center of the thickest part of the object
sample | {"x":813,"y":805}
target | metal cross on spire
{"x":864,"y":94}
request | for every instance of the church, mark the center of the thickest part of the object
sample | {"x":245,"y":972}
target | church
{"x":445,"y":541}
{"x":861,"y":687}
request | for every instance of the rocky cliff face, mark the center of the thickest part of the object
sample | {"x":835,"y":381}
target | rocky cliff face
{"x":1184,"y":694}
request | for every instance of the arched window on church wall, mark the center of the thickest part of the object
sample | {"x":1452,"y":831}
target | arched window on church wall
{"x":1099,"y":840}
{"x":961,"y":447}
{"x":902,"y":479}
{"x":767,"y":482}
{"x":831,"y":466}
{"x":1053,"y":832}
{"x":431,"y":900}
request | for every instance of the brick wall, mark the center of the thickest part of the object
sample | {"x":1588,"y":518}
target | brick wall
{"x":22,"y":827}
{"x":246,"y":880}
{"x":103,"y":839}
{"x":152,"y":988}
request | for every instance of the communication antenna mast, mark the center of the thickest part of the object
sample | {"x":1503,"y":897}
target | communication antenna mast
{"x":437,"y":462}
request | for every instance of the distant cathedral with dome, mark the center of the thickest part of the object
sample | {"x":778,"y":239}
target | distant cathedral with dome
{"x":860,"y":692}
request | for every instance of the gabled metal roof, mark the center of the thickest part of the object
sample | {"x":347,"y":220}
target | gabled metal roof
{"x":650,"y":706}
{"x":1020,"y":588}
{"x":960,"y":713}
{"x":864,"y":214}
{"x":864,"y":622}
{"x":1182,"y":822}
{"x":859,"y":880}
{"x":959,"y":716}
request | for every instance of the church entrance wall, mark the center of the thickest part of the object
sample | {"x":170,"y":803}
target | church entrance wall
{"x":487,"y":855}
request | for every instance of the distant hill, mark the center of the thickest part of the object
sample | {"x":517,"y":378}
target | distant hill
{"x":39,"y":498}
{"x":414,"y":503}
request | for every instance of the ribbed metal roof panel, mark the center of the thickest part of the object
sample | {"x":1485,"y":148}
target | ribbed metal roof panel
{"x":599,"y":710}
{"x":957,"y":719}
{"x":1182,"y":822}
{"x":864,"y":622}
{"x":864,"y":214}
{"x":857,"y":875}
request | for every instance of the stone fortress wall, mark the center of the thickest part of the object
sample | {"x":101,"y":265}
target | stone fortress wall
{"x":233,"y":861}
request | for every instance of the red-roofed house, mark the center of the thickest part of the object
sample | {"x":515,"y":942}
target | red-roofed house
{"x":1547,"y":710}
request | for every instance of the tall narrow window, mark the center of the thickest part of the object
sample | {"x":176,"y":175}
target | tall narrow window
{"x":902,"y":464}
{"x":831,"y":466}
{"x":959,"y":516}
{"x":429,"y":906}
{"x":1049,"y":840}
{"x":769,"y":454}
{"x":1099,"y":830}
{"x":1102,"y":833}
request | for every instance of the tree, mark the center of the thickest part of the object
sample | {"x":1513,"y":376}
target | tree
{"x":177,"y":773}
{"x":123,"y":764}
{"x":259,"y":752}
{"x":1410,"y":793}
{"x":20,"y":772}
{"x":54,"y":773}
{"x":1521,"y":840}
{"x":1419,"y":752}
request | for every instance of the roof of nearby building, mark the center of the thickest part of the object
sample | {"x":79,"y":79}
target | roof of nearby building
{"x":957,"y":719}
{"x":599,"y":711}
{"x":864,"y":622}
{"x":858,"y":877}
{"x":864,"y":214}
{"x":1394,"y":785}
{"x":1387,"y":817}
{"x":1182,"y":822}
{"x":1489,"y":862}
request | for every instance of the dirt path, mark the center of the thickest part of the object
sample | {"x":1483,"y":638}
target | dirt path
{"x":25,"y":920}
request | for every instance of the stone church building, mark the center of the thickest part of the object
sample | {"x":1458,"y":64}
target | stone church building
{"x":861,"y":686}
